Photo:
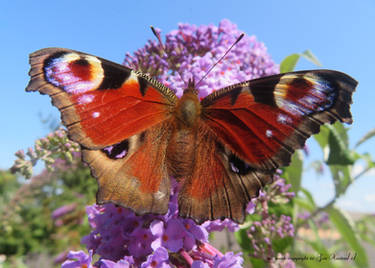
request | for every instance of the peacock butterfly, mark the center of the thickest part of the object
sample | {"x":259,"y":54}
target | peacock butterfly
{"x":135,"y":133}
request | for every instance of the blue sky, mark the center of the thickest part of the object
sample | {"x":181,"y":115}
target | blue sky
{"x":340,"y":33}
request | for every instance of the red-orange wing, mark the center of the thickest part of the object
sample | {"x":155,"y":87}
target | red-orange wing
{"x":220,"y":185}
{"x":134,"y":173}
{"x":263,"y":121}
{"x":250,"y":129}
{"x":101,"y":102}
{"x":119,"y":116}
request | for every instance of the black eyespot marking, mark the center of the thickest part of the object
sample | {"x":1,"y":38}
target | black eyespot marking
{"x":82,"y":62}
{"x":114,"y":76}
{"x":50,"y":59}
{"x":142,"y":137}
{"x":301,"y":84}
{"x":263,"y":90}
{"x":117,"y":151}
{"x":143,"y":84}
{"x":238,"y":166}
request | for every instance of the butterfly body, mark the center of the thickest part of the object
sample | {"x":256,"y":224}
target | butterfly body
{"x":181,"y":147}
{"x":135,"y":133}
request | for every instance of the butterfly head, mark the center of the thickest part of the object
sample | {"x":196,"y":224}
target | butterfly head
{"x":191,"y":87}
{"x":188,"y":109}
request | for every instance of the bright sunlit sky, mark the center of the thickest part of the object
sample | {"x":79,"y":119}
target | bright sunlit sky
{"x":340,"y":33}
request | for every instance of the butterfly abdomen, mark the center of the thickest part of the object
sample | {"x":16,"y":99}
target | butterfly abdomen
{"x":180,"y":152}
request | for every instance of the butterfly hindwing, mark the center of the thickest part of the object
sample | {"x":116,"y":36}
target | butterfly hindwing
{"x":136,"y":175}
{"x":263,"y":121}
{"x":101,"y":102}
{"x":218,"y":187}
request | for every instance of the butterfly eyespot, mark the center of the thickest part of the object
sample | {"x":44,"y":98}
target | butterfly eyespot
{"x":238,"y":166}
{"x":117,"y":151}
{"x":142,"y":137}
{"x":82,"y":62}
{"x":301,"y":84}
{"x":72,"y":72}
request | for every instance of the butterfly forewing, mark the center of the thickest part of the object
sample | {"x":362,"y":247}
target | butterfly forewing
{"x":101,"y":103}
{"x":264,"y":120}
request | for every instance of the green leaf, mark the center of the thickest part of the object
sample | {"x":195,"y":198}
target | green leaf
{"x":342,"y":178}
{"x":367,"y":158}
{"x":364,"y":227}
{"x":243,"y":239}
{"x":303,"y":203}
{"x":334,"y":142}
{"x":317,"y":245}
{"x":344,"y":226}
{"x":366,"y":137}
{"x":307,"y":54}
{"x":293,"y":173}
{"x":342,"y":131}
{"x":338,"y":152}
{"x":255,"y":262}
{"x":289,"y":63}
{"x":322,"y":139}
{"x":308,"y":196}
{"x":280,"y":245}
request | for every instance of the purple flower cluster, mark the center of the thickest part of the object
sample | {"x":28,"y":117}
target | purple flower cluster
{"x":320,"y":219}
{"x":271,"y":226}
{"x":78,"y":259}
{"x":284,"y":261}
{"x":190,"y":51}
{"x":123,"y":239}
{"x":60,"y":212}
{"x":278,"y":192}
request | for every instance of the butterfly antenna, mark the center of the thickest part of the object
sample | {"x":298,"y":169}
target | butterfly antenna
{"x":157,"y":35}
{"x":222,"y":57}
